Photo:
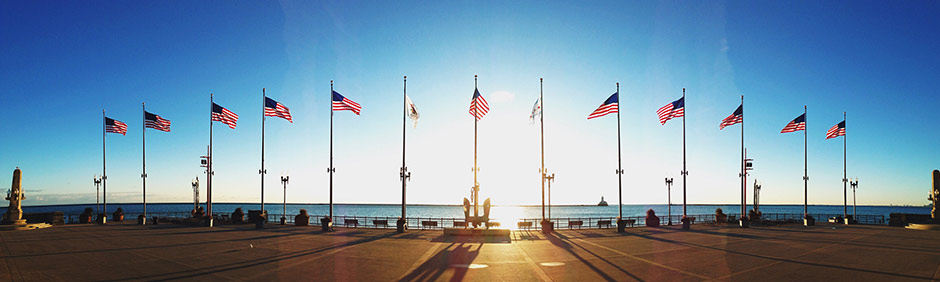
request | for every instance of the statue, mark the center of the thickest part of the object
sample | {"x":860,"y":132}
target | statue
{"x":14,"y":214}
{"x":935,"y":196}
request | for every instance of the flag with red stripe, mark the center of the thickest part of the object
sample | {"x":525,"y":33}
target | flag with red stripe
{"x":672,"y":110}
{"x":341,"y":103}
{"x":797,"y":124}
{"x":156,"y":122}
{"x":735,"y":118}
{"x":274,"y":109}
{"x":223,"y":115}
{"x":836,"y":130}
{"x":114,"y":126}
{"x":610,"y":106}
{"x":478,"y":105}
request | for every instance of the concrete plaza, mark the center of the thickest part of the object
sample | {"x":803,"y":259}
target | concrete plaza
{"x":287,"y":253}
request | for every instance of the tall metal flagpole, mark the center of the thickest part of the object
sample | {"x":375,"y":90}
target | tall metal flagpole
{"x":405,"y":175}
{"x":209,"y":172}
{"x":104,"y":170}
{"x":331,"y":169}
{"x":743,"y":185}
{"x":143,"y":174}
{"x":262,"y":171}
{"x":542,"y":124}
{"x":684,"y":171}
{"x":845,"y":188}
{"x":805,"y":177}
{"x":619,"y":167}
{"x":476,"y":185}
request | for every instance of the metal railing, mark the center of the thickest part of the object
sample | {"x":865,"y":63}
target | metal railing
{"x":436,"y":223}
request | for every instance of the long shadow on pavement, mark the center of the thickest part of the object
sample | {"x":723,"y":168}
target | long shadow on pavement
{"x":455,"y":254}
{"x":563,"y":242}
{"x":185,"y":274}
{"x":774,"y":258}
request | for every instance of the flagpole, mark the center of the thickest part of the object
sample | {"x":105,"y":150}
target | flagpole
{"x":476,"y":185}
{"x":331,"y":169}
{"x":742,"y":162}
{"x":845,"y":189}
{"x":143,"y":174}
{"x":684,"y":171}
{"x":209,"y":172}
{"x":805,"y":177}
{"x":405,"y":175}
{"x":104,"y":169}
{"x":262,"y":171}
{"x":619,"y":166}
{"x":542,"y":124}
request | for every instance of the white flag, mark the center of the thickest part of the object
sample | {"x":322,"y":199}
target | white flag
{"x":411,"y":110}
{"x":536,"y":110}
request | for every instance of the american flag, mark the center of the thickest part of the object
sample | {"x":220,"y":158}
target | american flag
{"x":114,"y":126}
{"x":224,"y":115}
{"x":797,"y":124}
{"x":341,"y":103}
{"x":478,"y":105}
{"x":608,"y":107}
{"x":274,"y":109}
{"x":156,"y":122}
{"x":836,"y":130}
{"x":735,"y":118}
{"x":671,"y":110}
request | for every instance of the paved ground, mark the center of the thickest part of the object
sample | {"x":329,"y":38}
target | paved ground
{"x":169,"y":252}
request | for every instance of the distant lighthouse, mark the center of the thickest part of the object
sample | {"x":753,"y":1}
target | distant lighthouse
{"x":602,"y":203}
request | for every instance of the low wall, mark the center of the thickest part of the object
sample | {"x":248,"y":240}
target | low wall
{"x":54,"y":218}
{"x":902,"y":219}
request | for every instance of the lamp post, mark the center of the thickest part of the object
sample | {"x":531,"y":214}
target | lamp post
{"x":284,"y":180}
{"x":550,"y":179}
{"x":195,"y":194}
{"x":669,"y":198}
{"x":854,"y":185}
{"x":97,"y":192}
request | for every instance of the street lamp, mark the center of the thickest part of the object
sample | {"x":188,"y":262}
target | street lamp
{"x":97,"y":190}
{"x":669,"y":197}
{"x":195,"y":195}
{"x":854,"y":185}
{"x":550,"y":178}
{"x":284,"y":179}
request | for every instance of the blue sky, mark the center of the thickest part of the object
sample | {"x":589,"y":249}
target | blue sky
{"x":61,"y":63}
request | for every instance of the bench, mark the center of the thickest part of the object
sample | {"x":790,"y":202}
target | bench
{"x":492,"y":224}
{"x":578,"y":223}
{"x":460,"y":224}
{"x":602,"y":223}
{"x":525,"y":225}
{"x":631,"y":222}
{"x":354,"y":222}
{"x":428,"y":223}
{"x":380,"y":222}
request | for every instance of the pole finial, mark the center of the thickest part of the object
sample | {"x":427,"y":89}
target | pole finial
{"x":540,"y":79}
{"x":618,"y":84}
{"x":406,"y":77}
{"x":474,"y":76}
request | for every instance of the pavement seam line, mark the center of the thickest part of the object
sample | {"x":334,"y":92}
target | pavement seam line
{"x":936,"y":274}
{"x":794,"y":257}
{"x":646,"y":260}
{"x":427,"y":255}
{"x":538,"y":270}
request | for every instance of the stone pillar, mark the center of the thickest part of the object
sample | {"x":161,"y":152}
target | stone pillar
{"x":935,"y":193}
{"x":14,"y":214}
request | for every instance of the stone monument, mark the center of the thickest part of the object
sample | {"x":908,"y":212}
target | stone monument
{"x":14,"y":214}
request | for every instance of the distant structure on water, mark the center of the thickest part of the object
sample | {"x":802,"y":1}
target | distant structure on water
{"x":602,"y":203}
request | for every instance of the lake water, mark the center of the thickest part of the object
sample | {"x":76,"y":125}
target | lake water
{"x":504,"y":213}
